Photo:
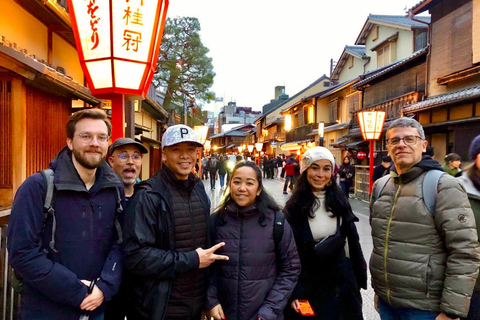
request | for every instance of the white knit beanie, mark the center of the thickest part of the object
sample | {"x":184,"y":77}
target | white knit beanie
{"x":314,"y":154}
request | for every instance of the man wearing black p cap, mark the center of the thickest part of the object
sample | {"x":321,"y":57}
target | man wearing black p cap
{"x":166,"y":236}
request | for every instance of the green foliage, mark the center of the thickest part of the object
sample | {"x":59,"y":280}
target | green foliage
{"x":181,"y":44}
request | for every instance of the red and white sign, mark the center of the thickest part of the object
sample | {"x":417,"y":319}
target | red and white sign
{"x":118,"y":42}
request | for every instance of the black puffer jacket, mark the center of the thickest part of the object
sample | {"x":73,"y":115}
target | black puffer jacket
{"x":150,"y":246}
{"x":253,"y":282}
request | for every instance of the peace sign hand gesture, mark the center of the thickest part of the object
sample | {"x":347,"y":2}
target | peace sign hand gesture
{"x":208,"y":256}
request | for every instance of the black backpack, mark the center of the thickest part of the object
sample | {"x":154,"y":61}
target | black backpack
{"x":48,"y":211}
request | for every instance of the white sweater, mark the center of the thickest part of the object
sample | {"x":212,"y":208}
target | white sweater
{"x":323,"y":223}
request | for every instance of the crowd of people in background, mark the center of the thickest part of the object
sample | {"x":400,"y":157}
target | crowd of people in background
{"x":88,"y":240}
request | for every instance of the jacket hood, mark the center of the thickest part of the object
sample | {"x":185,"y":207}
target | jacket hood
{"x":67,"y":178}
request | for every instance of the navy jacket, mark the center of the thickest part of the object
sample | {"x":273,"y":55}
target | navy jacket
{"x":86,"y":241}
{"x":258,"y":279}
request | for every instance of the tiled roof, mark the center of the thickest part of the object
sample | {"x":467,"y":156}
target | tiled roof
{"x":356,"y":50}
{"x":401,"y":20}
{"x":391,"y":67}
{"x":448,"y":98}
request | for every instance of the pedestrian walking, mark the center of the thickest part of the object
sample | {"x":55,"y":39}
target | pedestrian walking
{"x":212,"y":166}
{"x":290,"y":165}
{"x":258,"y":279}
{"x":347,"y":174}
{"x":452,"y":164}
{"x":426,"y":254}
{"x":279,"y":167}
{"x":382,"y":169}
{"x":222,"y":171}
{"x":323,"y":223}
{"x":204,"y":169}
{"x":470,"y":180}
{"x":69,"y":255}
{"x":167,"y":247}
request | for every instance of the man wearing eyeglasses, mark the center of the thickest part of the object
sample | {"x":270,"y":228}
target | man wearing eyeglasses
{"x":69,"y":256}
{"x":125,"y":157}
{"x":425,"y":260}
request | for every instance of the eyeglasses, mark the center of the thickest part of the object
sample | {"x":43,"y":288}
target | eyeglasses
{"x":124,"y":157}
{"x":408,"y":140}
{"x":87,"y":138}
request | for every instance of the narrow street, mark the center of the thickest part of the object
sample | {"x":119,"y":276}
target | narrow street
{"x":275,"y":188}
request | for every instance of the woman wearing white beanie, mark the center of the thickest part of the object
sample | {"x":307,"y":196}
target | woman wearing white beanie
{"x":322,"y":222}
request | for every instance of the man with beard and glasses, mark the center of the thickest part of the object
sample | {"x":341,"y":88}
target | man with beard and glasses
{"x":70,"y":258}
{"x":126,"y":160}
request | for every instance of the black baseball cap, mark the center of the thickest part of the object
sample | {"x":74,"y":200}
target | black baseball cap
{"x":124,"y":142}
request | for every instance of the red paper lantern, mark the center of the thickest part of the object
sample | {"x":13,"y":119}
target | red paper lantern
{"x":361,"y":155}
{"x":118,"y":42}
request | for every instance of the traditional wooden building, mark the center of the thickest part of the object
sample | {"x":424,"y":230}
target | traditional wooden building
{"x":450,"y":112}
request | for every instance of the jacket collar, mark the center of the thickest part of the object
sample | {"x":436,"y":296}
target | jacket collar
{"x":468,"y":185}
{"x":67,"y":178}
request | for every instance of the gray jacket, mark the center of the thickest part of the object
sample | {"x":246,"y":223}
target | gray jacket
{"x":419,"y":260}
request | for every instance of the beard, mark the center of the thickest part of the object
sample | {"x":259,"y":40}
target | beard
{"x":88,"y":163}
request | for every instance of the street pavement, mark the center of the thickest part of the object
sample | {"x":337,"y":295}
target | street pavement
{"x":275,"y":189}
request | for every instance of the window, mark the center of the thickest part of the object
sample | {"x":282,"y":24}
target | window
{"x":353,"y":102}
{"x":386,"y":54}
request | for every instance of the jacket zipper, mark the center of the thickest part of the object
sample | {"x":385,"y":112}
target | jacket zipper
{"x":239,"y":264}
{"x":387,"y":234}
{"x":428,"y":277}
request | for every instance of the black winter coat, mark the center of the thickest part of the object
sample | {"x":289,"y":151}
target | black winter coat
{"x":331,"y":285}
{"x":150,"y":254}
{"x":253,"y":282}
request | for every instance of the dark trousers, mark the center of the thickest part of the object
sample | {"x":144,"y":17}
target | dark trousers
{"x":474,"y":311}
{"x":345,"y":185}
{"x":212,"y":179}
{"x":204,"y":173}
{"x":288,"y":179}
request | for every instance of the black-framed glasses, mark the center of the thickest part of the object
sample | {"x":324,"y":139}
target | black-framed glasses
{"x":408,"y":140}
{"x":124,"y":157}
{"x":87,"y":137}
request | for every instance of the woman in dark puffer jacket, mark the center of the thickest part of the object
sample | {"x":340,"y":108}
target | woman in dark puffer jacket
{"x":258,"y":279}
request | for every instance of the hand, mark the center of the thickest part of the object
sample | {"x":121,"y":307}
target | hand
{"x":295,"y":305}
{"x":216,"y":313}
{"x":443,"y":316}
{"x":93,"y":300}
{"x":207,"y":257}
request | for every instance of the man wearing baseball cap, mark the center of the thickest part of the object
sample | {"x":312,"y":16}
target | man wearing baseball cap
{"x":166,"y":237}
{"x":125,"y":158}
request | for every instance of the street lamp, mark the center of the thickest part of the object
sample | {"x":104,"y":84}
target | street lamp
{"x":371,"y":126}
{"x":321,"y":130}
{"x":250,"y":148}
{"x":240,"y":149}
{"x":208,"y":146}
{"x":118,"y":44}
{"x":258,"y":147}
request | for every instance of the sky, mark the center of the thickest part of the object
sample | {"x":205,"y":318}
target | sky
{"x":257,"y":45}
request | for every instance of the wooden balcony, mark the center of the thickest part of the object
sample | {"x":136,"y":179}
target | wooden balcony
{"x":301,"y":133}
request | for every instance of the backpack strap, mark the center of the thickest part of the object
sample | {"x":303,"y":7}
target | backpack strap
{"x":278,"y":228}
{"x":48,"y":176}
{"x":430,"y":189}
{"x":118,"y":211}
{"x":382,"y":182}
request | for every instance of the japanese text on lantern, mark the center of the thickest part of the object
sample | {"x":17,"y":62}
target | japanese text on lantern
{"x":91,"y":8}
{"x":133,"y":21}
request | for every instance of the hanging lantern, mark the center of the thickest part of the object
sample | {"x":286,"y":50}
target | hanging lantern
{"x":361,"y":155}
{"x":118,"y":42}
{"x":371,"y":124}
